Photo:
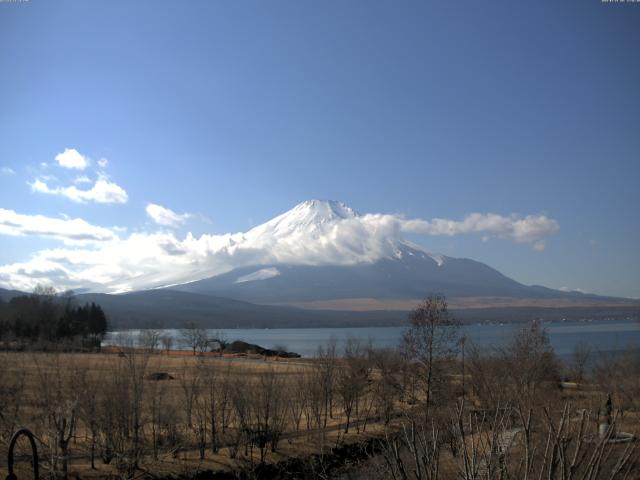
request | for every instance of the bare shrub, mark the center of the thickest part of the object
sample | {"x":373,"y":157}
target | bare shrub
{"x":553,"y":444}
{"x":525,"y":371}
{"x":619,"y":375}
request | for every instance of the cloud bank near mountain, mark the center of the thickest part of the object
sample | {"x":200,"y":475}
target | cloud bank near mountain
{"x":532,"y":229}
{"x":312,"y":233}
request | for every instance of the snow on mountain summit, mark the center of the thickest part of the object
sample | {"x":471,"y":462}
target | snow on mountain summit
{"x":308,"y":217}
{"x":323,"y":210}
{"x":327,"y":232}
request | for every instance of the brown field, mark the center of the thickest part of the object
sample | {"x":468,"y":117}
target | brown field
{"x":156,"y":414}
{"x":51,"y":382}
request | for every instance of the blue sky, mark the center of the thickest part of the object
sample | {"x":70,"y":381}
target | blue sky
{"x":233,"y":112}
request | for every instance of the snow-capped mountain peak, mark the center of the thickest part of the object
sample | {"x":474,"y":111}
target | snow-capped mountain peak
{"x":314,"y":212}
{"x":326,"y":232}
{"x":308,"y":216}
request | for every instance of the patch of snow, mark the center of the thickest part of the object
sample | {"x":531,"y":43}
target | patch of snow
{"x":262,"y":274}
{"x":439,"y":259}
{"x":436,"y":257}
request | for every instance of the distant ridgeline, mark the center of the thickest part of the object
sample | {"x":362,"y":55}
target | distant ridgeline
{"x":46,"y":317}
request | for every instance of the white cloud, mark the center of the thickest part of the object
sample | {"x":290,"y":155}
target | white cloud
{"x":166,"y":217}
{"x":147,"y":260}
{"x":532,"y":229}
{"x":70,"y":231}
{"x":71,"y":158}
{"x":103,"y":162}
{"x":82,"y":179}
{"x":139,"y":261}
{"x":7,"y":171}
{"x":103,"y":191}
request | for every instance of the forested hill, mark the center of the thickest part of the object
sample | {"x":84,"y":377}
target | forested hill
{"x":46,"y":316}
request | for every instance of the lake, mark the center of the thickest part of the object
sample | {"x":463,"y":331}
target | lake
{"x":602,"y":335}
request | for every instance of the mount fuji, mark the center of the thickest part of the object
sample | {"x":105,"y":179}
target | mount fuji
{"x":323,"y":264}
{"x":324,"y":255}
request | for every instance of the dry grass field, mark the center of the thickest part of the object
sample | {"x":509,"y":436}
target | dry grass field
{"x":160,"y":412}
{"x":502,"y":413}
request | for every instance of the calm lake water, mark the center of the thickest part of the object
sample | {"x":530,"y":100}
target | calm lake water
{"x":603,"y":336}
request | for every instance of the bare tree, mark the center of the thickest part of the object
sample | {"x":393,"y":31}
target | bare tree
{"x":113,"y":416}
{"x":316,"y":401}
{"x":525,"y":371}
{"x":297,"y":398}
{"x":224,"y":397}
{"x":579,"y":360}
{"x":58,"y":402}
{"x":214,"y":392}
{"x":619,"y":375}
{"x":325,"y":365}
{"x":90,"y":391}
{"x":413,"y":453}
{"x":555,"y":444}
{"x":530,"y":365}
{"x":189,"y":384}
{"x":387,"y":388}
{"x":267,"y":408}
{"x":161,"y":414}
{"x":487,"y":373}
{"x":155,"y":401}
{"x":430,"y":339}
{"x":194,"y":337}
{"x":220,"y":339}
{"x":137,"y":366}
{"x":149,"y":339}
{"x":121,"y":410}
{"x":353,"y":379}
{"x":201,"y":411}
{"x":241,"y":407}
{"x":167,"y":342}
{"x":12,"y":387}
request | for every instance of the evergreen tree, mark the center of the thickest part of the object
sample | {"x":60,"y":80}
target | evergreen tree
{"x":50,"y":317}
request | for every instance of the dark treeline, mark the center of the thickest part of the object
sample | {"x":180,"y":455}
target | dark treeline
{"x":48,"y":317}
